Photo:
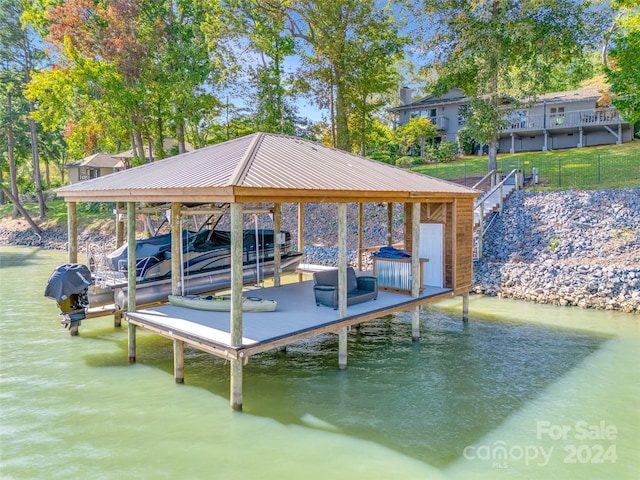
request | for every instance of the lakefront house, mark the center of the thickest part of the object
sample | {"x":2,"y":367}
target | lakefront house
{"x":575,"y":118}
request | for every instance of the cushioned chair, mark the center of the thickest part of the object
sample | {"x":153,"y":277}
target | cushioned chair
{"x":359,"y":289}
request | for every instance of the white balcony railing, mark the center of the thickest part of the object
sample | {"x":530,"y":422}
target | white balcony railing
{"x":578,"y":118}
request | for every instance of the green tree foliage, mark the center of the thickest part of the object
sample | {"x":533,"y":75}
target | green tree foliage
{"x":498,"y":50}
{"x":623,"y":67}
{"x":348,"y":48}
{"x":20,"y":55}
{"x":415,"y":134}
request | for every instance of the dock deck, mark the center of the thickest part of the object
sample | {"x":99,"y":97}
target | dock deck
{"x":297,"y":317}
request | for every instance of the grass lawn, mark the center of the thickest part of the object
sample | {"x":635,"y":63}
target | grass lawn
{"x":605,"y":166}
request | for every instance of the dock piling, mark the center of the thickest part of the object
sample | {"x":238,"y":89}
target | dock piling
{"x":178,"y":361}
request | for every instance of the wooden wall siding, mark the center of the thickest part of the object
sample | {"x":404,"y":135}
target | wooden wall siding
{"x":464,"y":245}
{"x":432,"y":213}
{"x":449,"y":247}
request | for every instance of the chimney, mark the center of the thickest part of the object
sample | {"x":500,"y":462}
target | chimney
{"x":405,"y":96}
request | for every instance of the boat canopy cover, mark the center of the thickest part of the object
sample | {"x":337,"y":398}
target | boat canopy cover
{"x":66,"y":280}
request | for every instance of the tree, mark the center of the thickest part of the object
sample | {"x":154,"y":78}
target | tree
{"x":623,"y":68}
{"x":498,"y":50}
{"x":18,"y":51}
{"x":416,"y":133}
{"x":340,"y":39}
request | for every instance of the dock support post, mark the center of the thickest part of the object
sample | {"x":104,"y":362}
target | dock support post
{"x":360,"y":234}
{"x":342,"y":348}
{"x":119,"y":225}
{"x":465,"y":307}
{"x":72,"y":233}
{"x":131,"y":278}
{"x":277,"y":226}
{"x":300,"y":233}
{"x":178,"y":361}
{"x":236,"y":304}
{"x":342,"y":259}
{"x":117,"y":319}
{"x":389,"y":223}
{"x":176,"y":248}
{"x":415,"y":269}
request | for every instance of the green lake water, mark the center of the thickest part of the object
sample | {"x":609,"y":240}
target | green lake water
{"x":521,"y":391}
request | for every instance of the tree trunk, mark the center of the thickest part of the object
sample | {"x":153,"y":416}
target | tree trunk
{"x":13,"y":176}
{"x":24,"y":213}
{"x":180,"y":134}
{"x":2,"y":200}
{"x":493,"y":155}
{"x":37,"y":176}
{"x":343,"y":139}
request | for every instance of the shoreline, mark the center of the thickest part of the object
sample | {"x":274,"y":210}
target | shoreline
{"x":570,"y":248}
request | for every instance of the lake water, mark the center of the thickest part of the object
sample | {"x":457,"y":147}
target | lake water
{"x":521,"y":391}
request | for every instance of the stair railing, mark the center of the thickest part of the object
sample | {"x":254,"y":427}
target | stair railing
{"x":515,"y":176}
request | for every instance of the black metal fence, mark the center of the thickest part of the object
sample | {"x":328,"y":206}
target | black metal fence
{"x":606,"y":170}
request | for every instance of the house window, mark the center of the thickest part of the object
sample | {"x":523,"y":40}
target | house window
{"x":557,"y":115}
{"x":463,"y":115}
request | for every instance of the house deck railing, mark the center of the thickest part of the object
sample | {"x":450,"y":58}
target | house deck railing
{"x":578,"y":118}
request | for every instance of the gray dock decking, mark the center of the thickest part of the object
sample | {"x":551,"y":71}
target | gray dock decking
{"x":297,"y":317}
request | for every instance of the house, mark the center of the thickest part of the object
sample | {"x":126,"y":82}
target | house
{"x":575,"y":118}
{"x":168,"y":145}
{"x":94,"y":166}
{"x":101,"y":164}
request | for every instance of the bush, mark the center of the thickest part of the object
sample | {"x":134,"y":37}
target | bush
{"x":384,"y":157}
{"x":443,"y":152}
{"x":466,"y":143}
{"x":405,"y":162}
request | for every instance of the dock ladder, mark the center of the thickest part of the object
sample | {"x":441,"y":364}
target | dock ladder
{"x":490,"y":204}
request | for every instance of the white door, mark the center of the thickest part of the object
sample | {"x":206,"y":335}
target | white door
{"x":432,"y":247}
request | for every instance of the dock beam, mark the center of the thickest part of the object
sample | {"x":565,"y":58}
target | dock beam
{"x":342,"y":283}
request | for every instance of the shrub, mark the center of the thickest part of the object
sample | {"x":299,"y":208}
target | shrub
{"x":443,"y":152}
{"x":405,"y":162}
{"x":466,"y":143}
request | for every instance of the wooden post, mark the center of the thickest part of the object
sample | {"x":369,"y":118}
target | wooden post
{"x":131,"y":278}
{"x":390,"y":223}
{"x":300,"y":233}
{"x":117,"y":319}
{"x":342,"y":348}
{"x":465,"y":307}
{"x":501,"y":197}
{"x":360,"y":233}
{"x":415,"y":269}
{"x":176,"y":250}
{"x":119,"y":225}
{"x":481,"y":231}
{"x":72,"y":232}
{"x":277,"y":226}
{"x":178,"y":361}
{"x":342,"y":282}
{"x":236,"y":304}
{"x":342,"y":259}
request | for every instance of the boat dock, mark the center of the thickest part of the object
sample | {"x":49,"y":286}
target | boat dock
{"x":296,"y":318}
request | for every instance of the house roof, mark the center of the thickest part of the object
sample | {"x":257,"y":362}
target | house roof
{"x":167,"y":144}
{"x":98,"y":160}
{"x":563,"y":97}
{"x":264,"y":167}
